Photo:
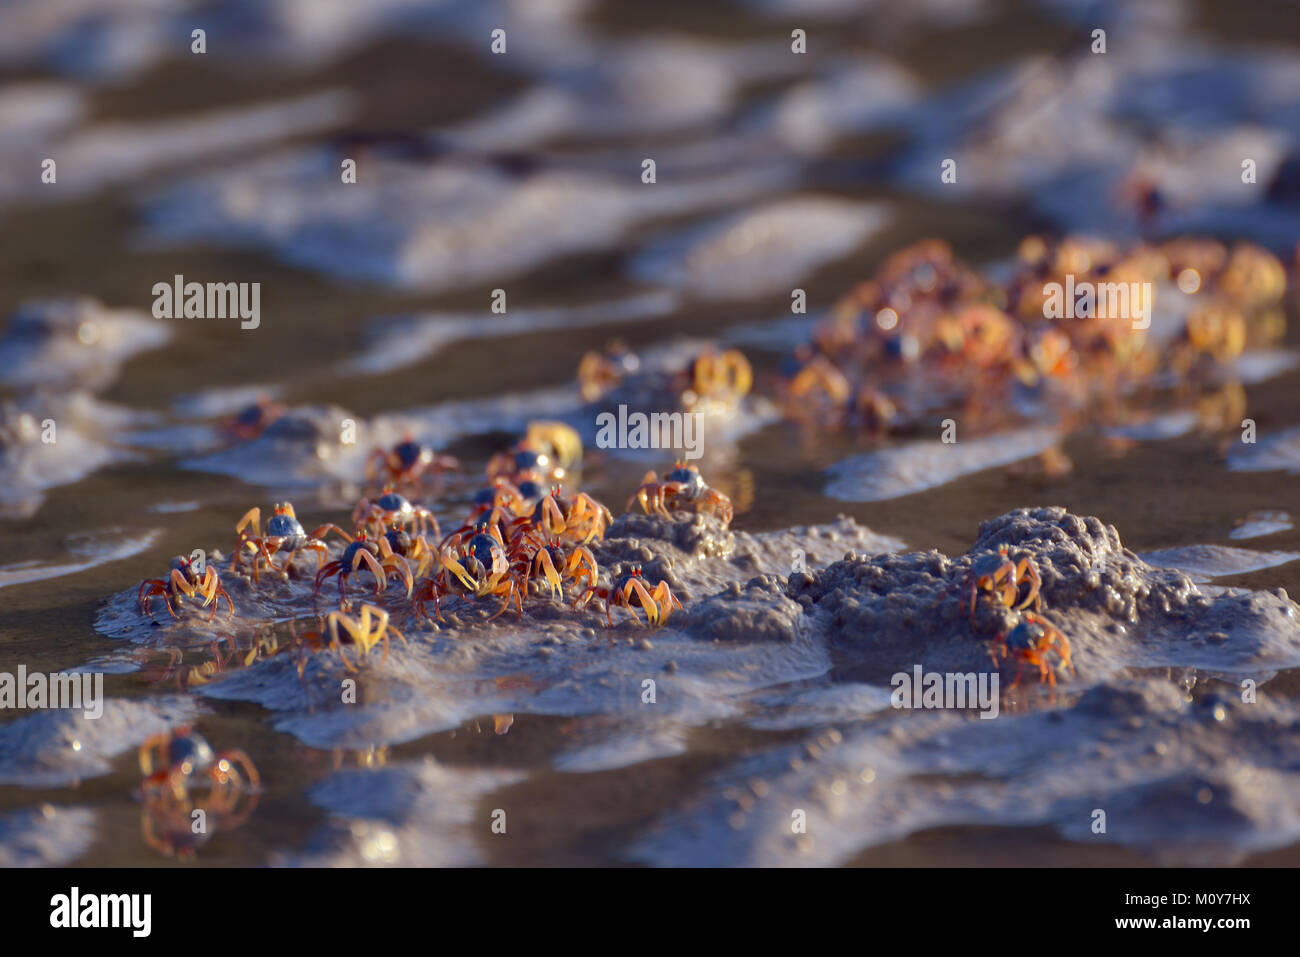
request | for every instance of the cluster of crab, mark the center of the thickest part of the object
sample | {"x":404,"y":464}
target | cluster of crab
{"x":1033,"y":640}
{"x":182,"y":776}
{"x":926,"y":311}
{"x":519,"y":539}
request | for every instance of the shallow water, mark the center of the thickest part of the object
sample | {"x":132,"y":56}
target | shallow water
{"x":176,"y":164}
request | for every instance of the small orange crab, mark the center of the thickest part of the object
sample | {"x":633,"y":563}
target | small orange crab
{"x":407,"y":462}
{"x":182,"y":756}
{"x":998,"y":574}
{"x":391,"y":508}
{"x":497,"y":523}
{"x":251,"y":421}
{"x":598,"y":372}
{"x":681,"y":488}
{"x":1253,"y":276}
{"x":1030,"y":642}
{"x":438,"y":563}
{"x":981,"y":335}
{"x":717,"y":376}
{"x":284,"y":533}
{"x":581,"y":518}
{"x":185,"y":582}
{"x":1050,"y":355}
{"x":630,"y":588}
{"x":482,"y":568}
{"x":377,"y":556}
{"x":819,"y":377}
{"x":555,"y":566}
{"x":1216,"y":331}
{"x":500,"y":495}
{"x":369,"y":628}
{"x":548,"y":449}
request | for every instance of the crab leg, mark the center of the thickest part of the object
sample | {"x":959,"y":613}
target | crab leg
{"x":511,"y":591}
{"x":319,"y":548}
{"x":373,"y":565}
{"x":331,"y":527}
{"x":666,"y":600}
{"x":252,"y":517}
{"x":582,"y":564}
{"x":422,"y":600}
{"x":543,"y":561}
{"x":404,"y":573}
{"x":553,"y":519}
{"x":1026,"y":570}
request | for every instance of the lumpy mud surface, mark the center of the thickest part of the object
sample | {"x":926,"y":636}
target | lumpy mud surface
{"x":812,"y":651}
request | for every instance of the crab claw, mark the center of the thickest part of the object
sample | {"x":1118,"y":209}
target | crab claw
{"x":552,"y":576}
{"x":375,"y":568}
{"x":647,"y":602}
{"x":453,"y":565}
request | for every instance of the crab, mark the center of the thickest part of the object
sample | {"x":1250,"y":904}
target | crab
{"x":489,"y":523}
{"x":894,"y":313}
{"x":555,"y":566}
{"x":185,"y":582}
{"x":482,"y":568}
{"x":414,"y":548}
{"x":581,"y":518}
{"x":683,"y":486}
{"x":980,"y":335}
{"x":392,"y":508}
{"x":1049,"y":355}
{"x":820,"y":377}
{"x":284,"y":533}
{"x":1000,"y":575}
{"x":170,"y":802}
{"x":500,"y":495}
{"x":925,"y":268}
{"x":631,"y":588}
{"x":548,"y":450}
{"x":172,"y":762}
{"x":599,"y":372}
{"x":1030,"y":642}
{"x":252,"y":420}
{"x":377,"y":556}
{"x":369,"y":628}
{"x":872,"y":411}
{"x":713,"y":376}
{"x":1253,"y":276}
{"x":561,"y":441}
{"x":407,"y":462}
{"x":523,"y":459}
{"x":532,"y":489}
{"x":1215,"y":331}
